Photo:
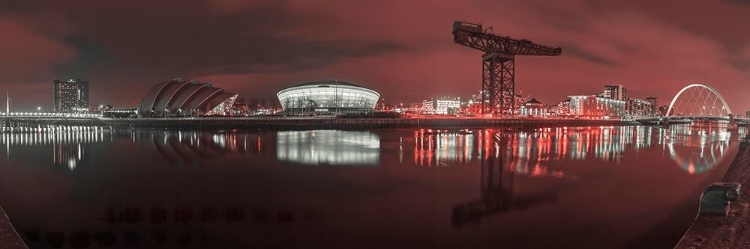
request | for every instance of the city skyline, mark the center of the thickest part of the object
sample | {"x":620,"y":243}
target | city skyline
{"x":258,"y":48}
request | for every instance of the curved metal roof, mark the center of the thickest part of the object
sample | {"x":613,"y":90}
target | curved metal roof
{"x":329,"y":82}
{"x":181,"y":98}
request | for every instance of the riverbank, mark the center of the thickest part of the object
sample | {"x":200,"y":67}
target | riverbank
{"x":731,"y":231}
{"x":353,"y":123}
{"x":9,"y":238}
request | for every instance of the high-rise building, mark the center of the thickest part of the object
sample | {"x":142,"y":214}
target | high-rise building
{"x":70,"y":96}
{"x":616,"y":92}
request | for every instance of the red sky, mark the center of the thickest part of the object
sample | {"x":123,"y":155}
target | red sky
{"x":403,"y":49}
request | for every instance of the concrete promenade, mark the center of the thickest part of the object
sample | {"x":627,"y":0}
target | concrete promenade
{"x":732,"y":231}
{"x":9,"y":238}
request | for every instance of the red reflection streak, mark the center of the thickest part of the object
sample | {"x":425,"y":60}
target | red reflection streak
{"x":430,"y":153}
{"x":467,"y":155}
{"x":486,"y":146}
{"x":416,"y":149}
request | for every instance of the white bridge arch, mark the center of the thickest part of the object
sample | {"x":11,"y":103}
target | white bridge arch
{"x":701,"y":88}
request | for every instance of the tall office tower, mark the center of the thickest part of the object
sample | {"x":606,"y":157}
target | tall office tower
{"x":70,"y":96}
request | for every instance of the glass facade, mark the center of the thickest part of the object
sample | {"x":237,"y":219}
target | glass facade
{"x":328,"y":96}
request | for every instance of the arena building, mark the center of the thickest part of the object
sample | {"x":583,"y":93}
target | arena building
{"x":328,"y":97}
{"x":178,"y":98}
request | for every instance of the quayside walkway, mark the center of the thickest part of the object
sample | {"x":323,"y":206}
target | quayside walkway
{"x":732,"y":231}
{"x":9,"y":238}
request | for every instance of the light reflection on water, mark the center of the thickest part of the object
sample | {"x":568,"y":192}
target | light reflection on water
{"x":694,"y":148}
{"x":433,"y":183}
{"x":327,"y":147}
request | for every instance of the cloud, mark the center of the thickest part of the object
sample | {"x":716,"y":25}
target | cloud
{"x":403,"y":49}
{"x":28,"y":54}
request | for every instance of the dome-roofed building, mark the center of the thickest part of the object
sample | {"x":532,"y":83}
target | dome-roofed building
{"x":534,"y":108}
{"x":178,"y":98}
{"x":330,"y":96}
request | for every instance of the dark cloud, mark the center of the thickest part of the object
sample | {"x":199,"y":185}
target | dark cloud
{"x":403,"y":49}
{"x":738,"y":1}
{"x":575,"y":51}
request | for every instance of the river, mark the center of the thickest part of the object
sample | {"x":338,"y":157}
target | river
{"x":561,"y":187}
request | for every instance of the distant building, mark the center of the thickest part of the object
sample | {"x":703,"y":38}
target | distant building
{"x":130,"y":112}
{"x":747,"y":114}
{"x":70,"y":96}
{"x":616,"y":92}
{"x":562,"y":109}
{"x":518,"y":102}
{"x":654,"y":105}
{"x":533,"y":108}
{"x":663,"y":110}
{"x":638,"y":108}
{"x":427,"y":107}
{"x":447,"y":106}
{"x":596,"y":107}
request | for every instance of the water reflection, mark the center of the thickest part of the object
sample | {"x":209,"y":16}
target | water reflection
{"x":699,"y":147}
{"x":496,"y":189}
{"x":328,"y":147}
{"x":696,"y":148}
{"x":70,"y":145}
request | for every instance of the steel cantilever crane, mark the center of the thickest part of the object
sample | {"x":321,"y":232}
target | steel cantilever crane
{"x":498,"y":63}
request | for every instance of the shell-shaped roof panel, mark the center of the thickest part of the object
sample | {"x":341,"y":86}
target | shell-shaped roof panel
{"x":177,"y":96}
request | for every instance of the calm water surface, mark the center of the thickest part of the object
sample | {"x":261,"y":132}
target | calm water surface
{"x":584,"y":187}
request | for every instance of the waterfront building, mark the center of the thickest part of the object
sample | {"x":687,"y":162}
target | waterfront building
{"x":128,"y":112}
{"x":70,"y":96}
{"x":328,"y":97}
{"x":663,"y":110}
{"x":447,"y":106}
{"x":563,"y":108}
{"x":534,"y":108}
{"x":654,"y":105}
{"x":178,"y":98}
{"x":639,"y":108}
{"x":427,"y":107}
{"x":592,"y":106}
{"x":384,"y":105}
{"x":518,"y":102}
{"x":616,"y":92}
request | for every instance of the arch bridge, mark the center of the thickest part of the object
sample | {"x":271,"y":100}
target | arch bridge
{"x":697,"y":102}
